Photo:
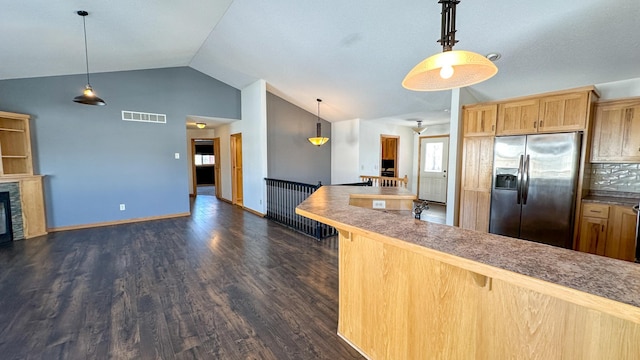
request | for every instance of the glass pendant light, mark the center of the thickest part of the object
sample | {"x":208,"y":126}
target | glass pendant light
{"x":88,"y":97}
{"x":452,"y":68}
{"x":318,"y":140}
{"x":419,"y":129}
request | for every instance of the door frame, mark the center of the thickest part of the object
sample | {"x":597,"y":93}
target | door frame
{"x":236,"y":181}
{"x":396,"y":158}
{"x":420,"y":138}
{"x":216,"y":170}
{"x":216,"y":176}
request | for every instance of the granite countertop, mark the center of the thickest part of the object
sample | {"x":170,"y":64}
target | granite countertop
{"x":596,"y":275}
{"x":613,"y":198}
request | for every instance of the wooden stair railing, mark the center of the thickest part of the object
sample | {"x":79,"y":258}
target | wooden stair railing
{"x":384,"y":181}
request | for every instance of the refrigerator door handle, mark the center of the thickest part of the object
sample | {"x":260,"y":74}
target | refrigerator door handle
{"x":519,"y":181}
{"x":525,"y":186}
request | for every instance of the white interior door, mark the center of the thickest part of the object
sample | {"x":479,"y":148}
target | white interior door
{"x":432,"y":178}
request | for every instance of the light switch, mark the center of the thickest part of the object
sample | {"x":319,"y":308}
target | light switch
{"x":177,"y":155}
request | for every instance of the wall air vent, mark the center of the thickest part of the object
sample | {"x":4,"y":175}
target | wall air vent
{"x":144,"y":117}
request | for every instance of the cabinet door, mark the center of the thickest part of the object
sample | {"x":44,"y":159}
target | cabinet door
{"x":477,"y":163}
{"x":563,"y":112}
{"x":477,"y":166}
{"x":480,"y":120}
{"x":32,"y":202}
{"x":616,"y":136}
{"x":518,"y":117}
{"x":631,"y":134}
{"x":593,"y":235}
{"x":474,"y":210}
{"x":621,"y":239}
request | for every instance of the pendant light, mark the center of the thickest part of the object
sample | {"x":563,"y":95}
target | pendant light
{"x":318,"y":140}
{"x":419,"y":129}
{"x":88,"y":97}
{"x":452,"y":68}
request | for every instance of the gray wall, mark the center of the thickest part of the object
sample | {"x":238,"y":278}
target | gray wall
{"x":93,"y":161}
{"x":290,"y":155}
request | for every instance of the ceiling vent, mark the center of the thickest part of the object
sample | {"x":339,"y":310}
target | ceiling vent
{"x":144,"y":117}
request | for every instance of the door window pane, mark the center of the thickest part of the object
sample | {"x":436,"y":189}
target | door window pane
{"x":433,"y":157}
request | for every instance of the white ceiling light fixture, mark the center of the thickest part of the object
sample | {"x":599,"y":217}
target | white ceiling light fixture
{"x":201,"y":125}
{"x":419,"y":129}
{"x":88,"y":97}
{"x":449,"y":69}
{"x":318,"y":140}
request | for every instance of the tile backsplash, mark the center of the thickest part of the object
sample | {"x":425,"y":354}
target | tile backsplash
{"x":615,"y":177}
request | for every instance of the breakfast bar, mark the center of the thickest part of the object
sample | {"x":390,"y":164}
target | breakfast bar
{"x":412,"y":289}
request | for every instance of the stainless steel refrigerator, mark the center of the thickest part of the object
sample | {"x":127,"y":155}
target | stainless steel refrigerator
{"x":534,"y":187}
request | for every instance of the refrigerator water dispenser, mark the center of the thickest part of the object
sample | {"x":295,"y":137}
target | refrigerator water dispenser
{"x":506,"y":178}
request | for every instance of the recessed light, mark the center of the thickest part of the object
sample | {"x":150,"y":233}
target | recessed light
{"x":494,"y":56}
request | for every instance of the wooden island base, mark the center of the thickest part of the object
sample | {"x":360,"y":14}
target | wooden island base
{"x":398,"y":303}
{"x":410,"y":289}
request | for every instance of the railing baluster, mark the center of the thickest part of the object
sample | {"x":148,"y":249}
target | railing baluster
{"x":282,"y":198}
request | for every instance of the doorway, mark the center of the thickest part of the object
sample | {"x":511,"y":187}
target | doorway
{"x":204,"y":173}
{"x":236,"y":169}
{"x":206,"y":160}
{"x":389,"y":155}
{"x":433,"y":158}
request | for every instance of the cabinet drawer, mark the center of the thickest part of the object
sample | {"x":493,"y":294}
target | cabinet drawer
{"x":595,"y":210}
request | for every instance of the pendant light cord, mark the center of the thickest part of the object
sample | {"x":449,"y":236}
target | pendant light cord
{"x":86,"y":52}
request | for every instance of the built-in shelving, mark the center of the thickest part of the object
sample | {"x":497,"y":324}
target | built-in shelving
{"x":15,"y":145}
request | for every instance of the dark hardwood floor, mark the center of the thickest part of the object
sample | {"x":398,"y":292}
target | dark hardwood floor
{"x":220,"y":284}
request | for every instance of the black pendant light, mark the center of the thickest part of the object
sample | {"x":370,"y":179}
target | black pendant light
{"x":88,"y":97}
{"x":318,"y":140}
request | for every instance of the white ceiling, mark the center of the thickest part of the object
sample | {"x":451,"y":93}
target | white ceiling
{"x":352,"y":54}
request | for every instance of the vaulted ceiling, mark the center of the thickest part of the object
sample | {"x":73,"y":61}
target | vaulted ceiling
{"x":352,"y":54}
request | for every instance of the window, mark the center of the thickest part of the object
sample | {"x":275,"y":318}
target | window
{"x":433,"y":157}
{"x":201,"y":159}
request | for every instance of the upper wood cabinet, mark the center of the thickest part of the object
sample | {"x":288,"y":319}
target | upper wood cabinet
{"x":480,"y":120}
{"x":15,"y":145}
{"x":389,"y":147}
{"x":567,"y":111}
{"x":518,"y":117}
{"x":616,"y":135}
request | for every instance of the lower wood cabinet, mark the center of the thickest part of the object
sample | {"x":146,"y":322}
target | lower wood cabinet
{"x":608,"y":230}
{"x":33,"y":213}
{"x":621,"y":235}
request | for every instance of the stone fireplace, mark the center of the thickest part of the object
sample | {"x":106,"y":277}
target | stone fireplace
{"x":17,"y":225}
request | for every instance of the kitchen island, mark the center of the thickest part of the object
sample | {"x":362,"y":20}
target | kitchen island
{"x":411,"y":289}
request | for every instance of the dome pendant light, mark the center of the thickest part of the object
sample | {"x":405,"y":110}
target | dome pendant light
{"x":318,"y":140}
{"x":88,"y":97}
{"x":452,"y":68}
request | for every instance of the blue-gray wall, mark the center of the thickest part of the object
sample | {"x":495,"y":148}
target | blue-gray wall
{"x":93,"y":161}
{"x":290,"y":155}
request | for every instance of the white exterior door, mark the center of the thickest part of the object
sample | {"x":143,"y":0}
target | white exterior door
{"x":432,"y":176}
